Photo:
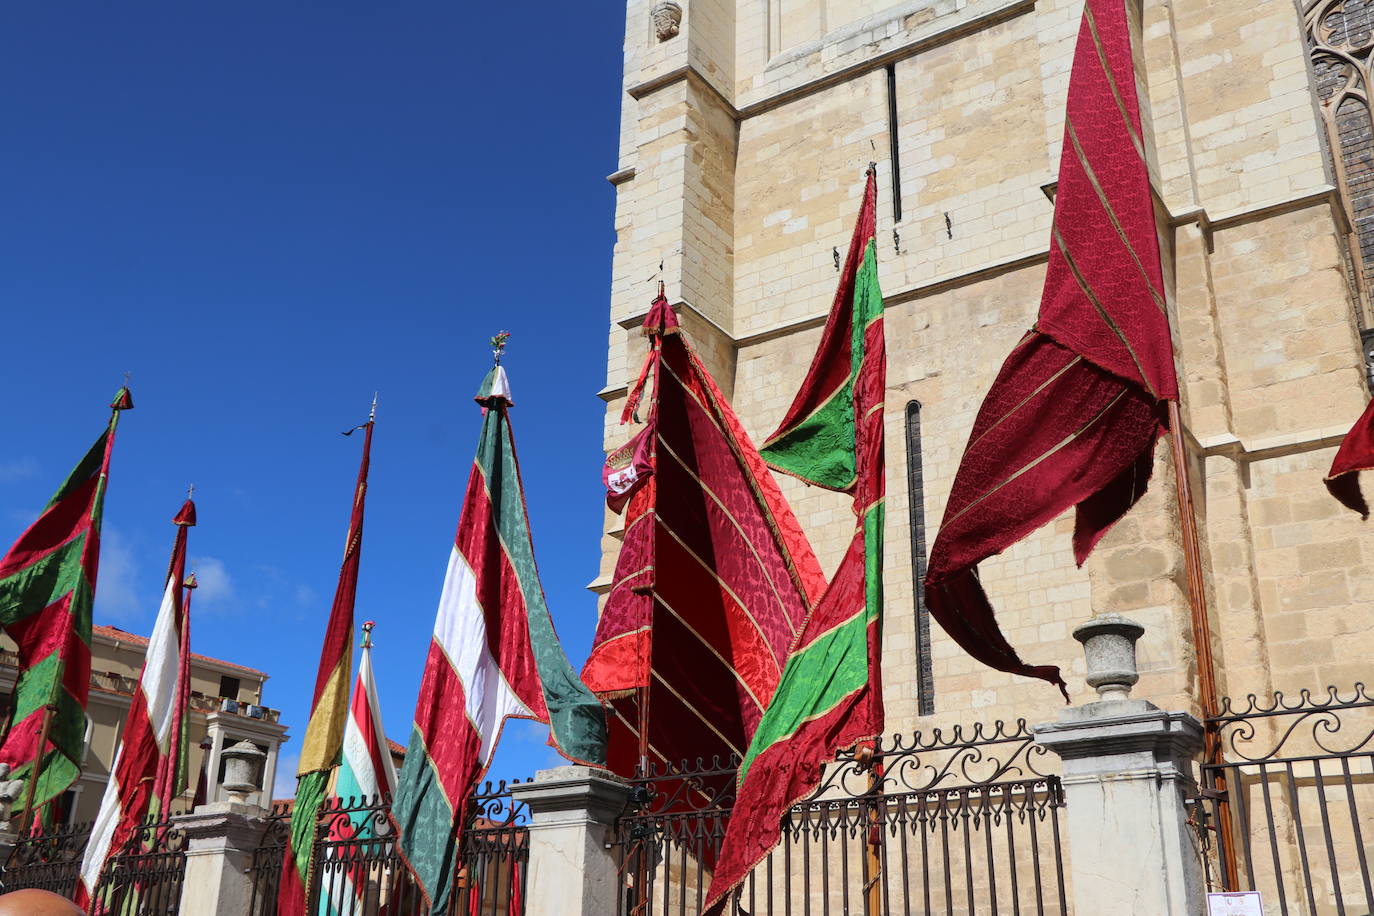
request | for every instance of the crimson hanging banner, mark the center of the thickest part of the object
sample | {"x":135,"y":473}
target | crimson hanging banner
{"x":1072,"y":418}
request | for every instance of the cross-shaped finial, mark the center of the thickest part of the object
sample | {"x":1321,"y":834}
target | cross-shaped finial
{"x":127,"y":375}
{"x":190,"y":490}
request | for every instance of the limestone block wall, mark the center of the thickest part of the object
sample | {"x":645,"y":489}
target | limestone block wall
{"x":743,"y":146}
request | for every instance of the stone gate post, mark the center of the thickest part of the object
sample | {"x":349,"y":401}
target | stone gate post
{"x":572,"y":870}
{"x":220,"y":840}
{"x":1127,"y":771}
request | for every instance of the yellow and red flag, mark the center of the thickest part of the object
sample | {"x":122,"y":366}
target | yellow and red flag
{"x":323,"y":745}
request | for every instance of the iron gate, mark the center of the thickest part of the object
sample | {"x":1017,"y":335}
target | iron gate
{"x":358,"y":869}
{"x":955,"y":823}
{"x":1298,"y":779}
{"x":142,"y":878}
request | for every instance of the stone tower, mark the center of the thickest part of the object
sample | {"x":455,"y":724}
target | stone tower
{"x":745,"y":129}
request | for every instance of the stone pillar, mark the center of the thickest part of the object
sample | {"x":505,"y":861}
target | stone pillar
{"x":221,"y":838}
{"x":1127,"y":771}
{"x":572,"y":871}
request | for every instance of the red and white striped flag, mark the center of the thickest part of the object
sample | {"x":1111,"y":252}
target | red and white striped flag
{"x":147,"y":731}
{"x":365,"y":775}
{"x":494,"y":655}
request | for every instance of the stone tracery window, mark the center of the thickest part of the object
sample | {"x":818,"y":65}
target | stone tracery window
{"x":1340,"y":35}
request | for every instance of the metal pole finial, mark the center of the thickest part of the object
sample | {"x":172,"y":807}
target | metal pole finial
{"x":190,"y":490}
{"x":367,"y":633}
{"x":372,"y":417}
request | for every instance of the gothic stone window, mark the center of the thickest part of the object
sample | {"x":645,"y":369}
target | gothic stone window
{"x":1340,"y":35}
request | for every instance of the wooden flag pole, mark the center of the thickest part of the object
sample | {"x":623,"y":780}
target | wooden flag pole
{"x":36,"y":770}
{"x":873,"y":896}
{"x":1202,"y":642}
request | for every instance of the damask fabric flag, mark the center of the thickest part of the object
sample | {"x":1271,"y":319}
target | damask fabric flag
{"x":147,"y":738}
{"x":1073,"y":416}
{"x":494,"y":655}
{"x":1355,"y":454}
{"x":830,"y":695}
{"x":366,"y":775}
{"x":715,"y":576}
{"x":323,"y":743}
{"x":172,"y":770}
{"x":47,"y":586}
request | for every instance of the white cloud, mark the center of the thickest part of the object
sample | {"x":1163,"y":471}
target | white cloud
{"x":18,"y":469}
{"x":306,"y":596}
{"x":116,"y":589}
{"x":216,"y":586}
{"x":284,"y":783}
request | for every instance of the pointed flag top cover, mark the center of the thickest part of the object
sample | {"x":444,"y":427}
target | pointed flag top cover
{"x":661,"y":319}
{"x":187,"y":515}
{"x":123,"y":399}
{"x":495,"y":390}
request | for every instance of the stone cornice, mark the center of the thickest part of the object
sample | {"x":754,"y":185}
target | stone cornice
{"x":572,"y":793}
{"x":933,"y":39}
{"x":1229,"y":445}
{"x":952,"y":32}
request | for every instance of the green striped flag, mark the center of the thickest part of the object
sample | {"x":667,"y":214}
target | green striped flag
{"x":830,"y":694}
{"x":47,"y":587}
{"x":494,"y":655}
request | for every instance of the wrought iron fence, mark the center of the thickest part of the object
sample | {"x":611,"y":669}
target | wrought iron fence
{"x":964,"y":821}
{"x":142,"y":878}
{"x":358,"y":869}
{"x":1299,"y":785}
{"x":51,"y":861}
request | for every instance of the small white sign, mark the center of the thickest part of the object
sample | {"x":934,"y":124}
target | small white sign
{"x":1235,"y":903}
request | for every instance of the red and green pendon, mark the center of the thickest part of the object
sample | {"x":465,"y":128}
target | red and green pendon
{"x":494,"y":655}
{"x":830,"y":694}
{"x":47,"y":587}
{"x":322,"y":747}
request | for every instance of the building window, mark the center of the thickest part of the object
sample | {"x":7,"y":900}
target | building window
{"x":916,"y":509}
{"x":229,"y":687}
{"x":1338,"y":41}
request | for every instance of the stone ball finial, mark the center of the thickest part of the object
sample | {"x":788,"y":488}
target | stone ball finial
{"x":667,"y":17}
{"x":242,"y":765}
{"x":1109,"y":644}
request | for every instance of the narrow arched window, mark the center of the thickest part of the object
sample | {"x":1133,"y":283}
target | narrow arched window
{"x":916,"y":509}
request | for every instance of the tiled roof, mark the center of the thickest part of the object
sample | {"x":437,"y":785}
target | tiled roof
{"x":135,"y":639}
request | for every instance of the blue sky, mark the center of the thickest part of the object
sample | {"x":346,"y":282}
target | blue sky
{"x":266,"y":211}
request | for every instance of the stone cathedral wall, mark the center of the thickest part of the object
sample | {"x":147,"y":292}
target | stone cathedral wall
{"x":744,"y":138}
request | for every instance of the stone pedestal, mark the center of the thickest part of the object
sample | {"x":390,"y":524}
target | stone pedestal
{"x":220,"y":840}
{"x":572,"y":811}
{"x":1127,"y":771}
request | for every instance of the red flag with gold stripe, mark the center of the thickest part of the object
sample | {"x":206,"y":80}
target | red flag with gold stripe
{"x":1073,"y":416}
